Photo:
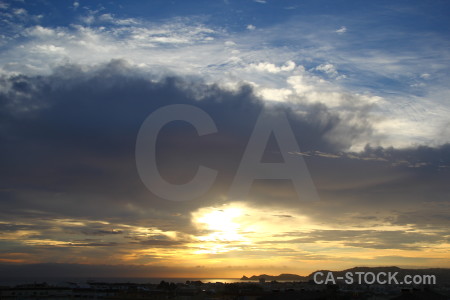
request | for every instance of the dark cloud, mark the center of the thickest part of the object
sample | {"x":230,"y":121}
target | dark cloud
{"x":8,"y":227}
{"x":156,"y":243}
{"x":374,"y":239}
{"x":102,"y":232}
{"x":60,"y":270}
{"x":107,"y":244}
{"x":68,"y":138}
{"x":283,"y":216}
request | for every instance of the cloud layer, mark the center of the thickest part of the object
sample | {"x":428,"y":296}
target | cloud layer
{"x":71,"y":193}
{"x":400,"y":75}
{"x":364,"y":90}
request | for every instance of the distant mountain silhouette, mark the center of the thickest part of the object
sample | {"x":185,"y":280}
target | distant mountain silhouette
{"x":442,"y":275}
{"x":293,"y":277}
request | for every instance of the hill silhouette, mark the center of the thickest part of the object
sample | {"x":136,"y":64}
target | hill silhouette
{"x":442,"y":274}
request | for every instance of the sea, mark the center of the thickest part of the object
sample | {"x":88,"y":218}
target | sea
{"x":63,"y":280}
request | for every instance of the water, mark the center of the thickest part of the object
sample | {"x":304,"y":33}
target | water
{"x":60,"y":280}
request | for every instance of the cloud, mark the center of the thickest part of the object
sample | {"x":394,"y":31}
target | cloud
{"x":341,"y":30}
{"x":330,"y":70}
{"x":373,"y":239}
{"x":88,"y":271}
{"x":3,"y":5}
{"x":272,"y":68}
{"x":37,"y":101}
{"x":230,"y":43}
{"x":20,"y":12}
{"x":117,"y":21}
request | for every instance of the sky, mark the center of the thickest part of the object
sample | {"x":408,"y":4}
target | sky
{"x":350,"y":97}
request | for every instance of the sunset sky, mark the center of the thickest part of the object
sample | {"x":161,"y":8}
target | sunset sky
{"x":364,"y":86}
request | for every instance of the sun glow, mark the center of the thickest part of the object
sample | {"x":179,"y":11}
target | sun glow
{"x":221,"y":229}
{"x":238,"y":227}
{"x":221,"y":225}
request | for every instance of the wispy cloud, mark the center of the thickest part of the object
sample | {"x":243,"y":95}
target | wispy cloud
{"x":341,"y":30}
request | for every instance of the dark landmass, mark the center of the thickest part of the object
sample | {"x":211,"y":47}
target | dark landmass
{"x":281,"y":277}
{"x":198,"y":290}
{"x":442,"y":275}
{"x":281,"y":287}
